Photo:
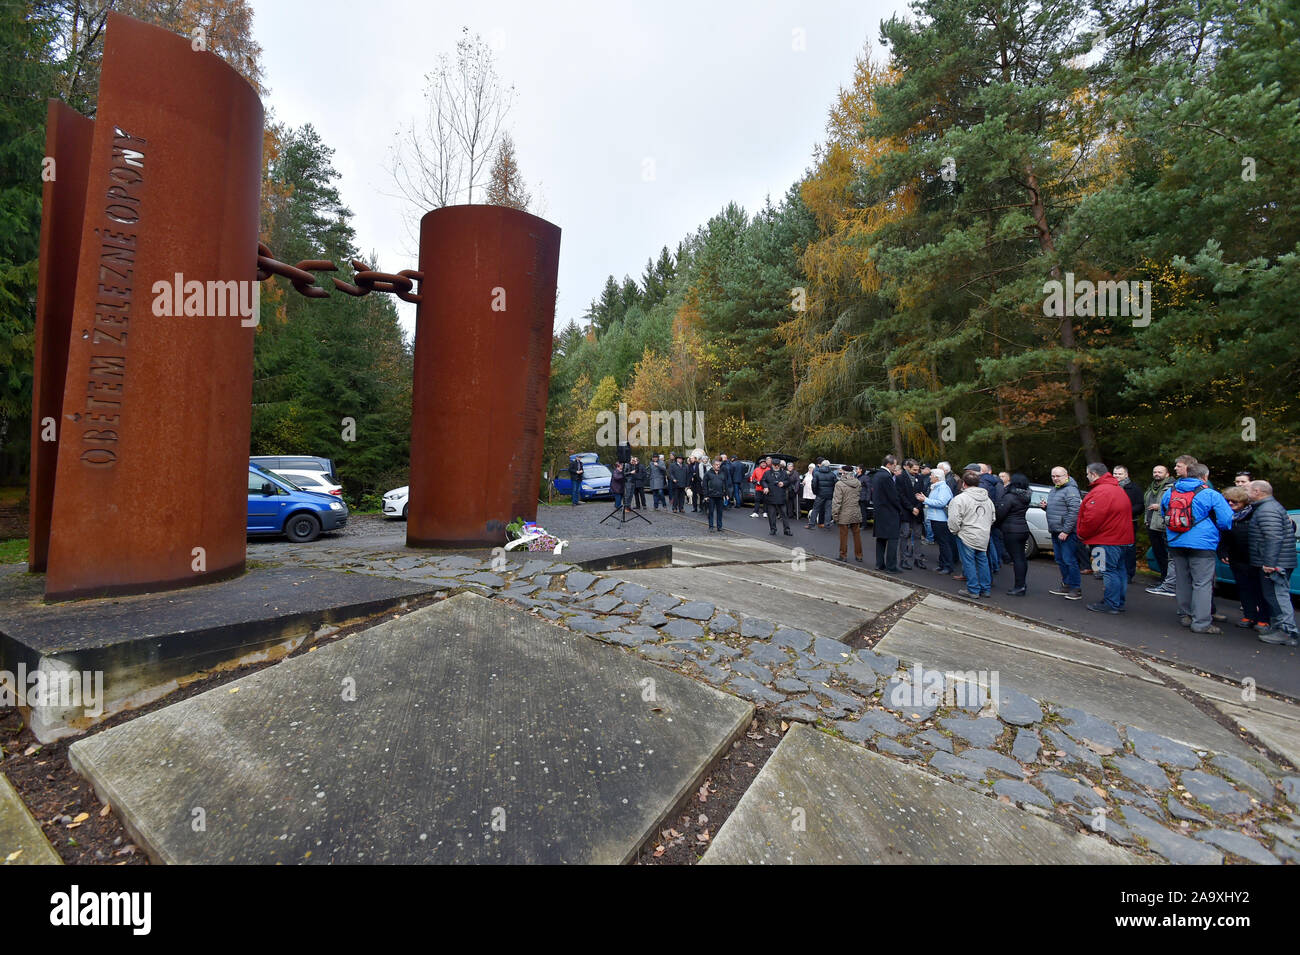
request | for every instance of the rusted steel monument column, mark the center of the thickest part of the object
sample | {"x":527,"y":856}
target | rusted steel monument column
{"x":482,"y":368}
{"x":63,"y":201}
{"x":149,"y":490}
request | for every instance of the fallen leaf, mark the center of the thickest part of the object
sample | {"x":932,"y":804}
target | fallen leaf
{"x":13,"y":855}
{"x":702,"y":820}
{"x":704,"y":793}
{"x":659,"y":850}
{"x":30,"y":750}
{"x":702,"y":836}
{"x":106,"y":810}
{"x":750,"y":765}
{"x":1099,"y":790}
{"x":81,"y":817}
{"x":234,"y":689}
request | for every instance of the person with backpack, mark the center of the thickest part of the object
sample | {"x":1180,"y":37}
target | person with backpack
{"x":1272,"y":550}
{"x":772,"y":489}
{"x":1105,"y":524}
{"x":1194,"y":513}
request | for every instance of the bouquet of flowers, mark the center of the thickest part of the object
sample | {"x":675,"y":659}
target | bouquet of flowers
{"x":532,"y":535}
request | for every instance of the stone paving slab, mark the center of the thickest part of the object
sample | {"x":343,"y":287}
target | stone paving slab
{"x":930,"y":637}
{"x":857,"y":807}
{"x":1275,"y":722}
{"x":477,"y":733}
{"x":729,"y":592}
{"x":827,"y":582}
{"x":21,"y":839}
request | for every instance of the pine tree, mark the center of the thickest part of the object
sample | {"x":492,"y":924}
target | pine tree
{"x":505,"y":185}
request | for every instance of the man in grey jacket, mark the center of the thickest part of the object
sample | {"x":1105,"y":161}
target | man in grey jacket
{"x":1062,"y":506}
{"x":1272,"y":550}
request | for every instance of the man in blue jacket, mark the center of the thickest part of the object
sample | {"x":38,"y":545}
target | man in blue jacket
{"x":1194,"y":513}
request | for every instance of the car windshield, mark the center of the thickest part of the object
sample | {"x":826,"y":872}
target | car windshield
{"x":592,"y":471}
{"x":292,"y":482}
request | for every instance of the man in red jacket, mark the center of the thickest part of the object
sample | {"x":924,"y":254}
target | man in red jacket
{"x":1105,"y":524}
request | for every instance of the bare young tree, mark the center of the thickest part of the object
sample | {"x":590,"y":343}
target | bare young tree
{"x":440,"y":159}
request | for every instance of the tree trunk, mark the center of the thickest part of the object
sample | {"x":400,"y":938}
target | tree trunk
{"x":1078,"y":396}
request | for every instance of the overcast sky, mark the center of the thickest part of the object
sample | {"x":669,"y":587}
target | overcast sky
{"x":726,"y":100}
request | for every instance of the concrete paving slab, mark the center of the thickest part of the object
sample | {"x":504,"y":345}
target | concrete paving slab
{"x":463,"y":732}
{"x":821,"y":800}
{"x":1275,"y":722}
{"x":825,"y":581}
{"x":140,"y":646}
{"x":696,"y":552}
{"x":961,"y":644}
{"x":720,"y":586}
{"x":21,"y":839}
{"x":961,"y":617}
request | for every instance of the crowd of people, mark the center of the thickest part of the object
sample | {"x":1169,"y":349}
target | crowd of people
{"x":978,"y":520}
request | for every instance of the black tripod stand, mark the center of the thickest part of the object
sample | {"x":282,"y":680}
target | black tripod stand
{"x":620,"y":514}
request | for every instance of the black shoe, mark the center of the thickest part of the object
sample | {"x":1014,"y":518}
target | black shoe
{"x":774,"y":532}
{"x":1016,"y":592}
{"x":1102,"y":608}
{"x":790,"y":533}
{"x":858,"y":559}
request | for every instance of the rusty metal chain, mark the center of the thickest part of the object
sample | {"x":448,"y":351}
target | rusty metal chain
{"x":402,"y":284}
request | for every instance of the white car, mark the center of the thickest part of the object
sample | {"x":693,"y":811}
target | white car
{"x":315,"y":481}
{"x":395,"y":502}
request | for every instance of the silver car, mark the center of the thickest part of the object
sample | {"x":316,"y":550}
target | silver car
{"x":1039,"y":540}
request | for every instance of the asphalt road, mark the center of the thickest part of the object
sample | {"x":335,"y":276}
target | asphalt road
{"x":1149,"y":624}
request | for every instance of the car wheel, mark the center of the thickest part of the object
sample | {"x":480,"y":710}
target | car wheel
{"x":302,"y":528}
{"x":1031,"y":547}
{"x":404,"y":507}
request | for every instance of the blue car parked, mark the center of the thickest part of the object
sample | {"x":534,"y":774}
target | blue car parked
{"x":278,"y":506}
{"x":595,"y":479}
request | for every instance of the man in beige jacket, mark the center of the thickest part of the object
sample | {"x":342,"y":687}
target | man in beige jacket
{"x":847,"y":513}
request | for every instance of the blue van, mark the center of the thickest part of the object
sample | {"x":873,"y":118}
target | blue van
{"x":278,"y":506}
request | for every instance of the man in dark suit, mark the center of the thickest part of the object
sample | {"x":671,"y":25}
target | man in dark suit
{"x":888,"y":507}
{"x":772,"y":489}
